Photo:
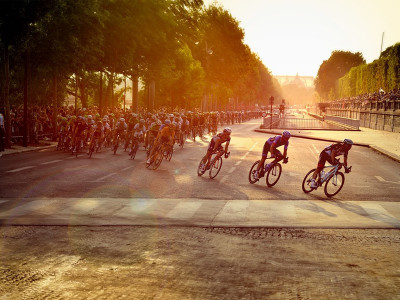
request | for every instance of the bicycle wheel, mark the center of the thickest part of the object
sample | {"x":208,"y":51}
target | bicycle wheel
{"x":306,"y":185}
{"x":170,"y":151}
{"x":252,"y":171}
{"x":215,"y":166}
{"x":274,"y":174}
{"x":134,"y":150}
{"x":201,"y":168}
{"x":334,"y":184}
{"x":157,"y":161}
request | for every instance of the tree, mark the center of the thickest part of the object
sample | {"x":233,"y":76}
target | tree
{"x":338,"y":64}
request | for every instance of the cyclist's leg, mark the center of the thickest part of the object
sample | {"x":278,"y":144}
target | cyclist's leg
{"x":264,"y":155}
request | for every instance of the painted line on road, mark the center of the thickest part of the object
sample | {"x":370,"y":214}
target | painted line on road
{"x":315,"y":148}
{"x":255,"y":144}
{"x":360,"y":186}
{"x":225,"y":178}
{"x":383,"y":180}
{"x":2,"y":201}
{"x":51,"y":162}
{"x":127,"y":168}
{"x":231,"y":170}
{"x":20,"y":169}
{"x":104,"y":177}
{"x":238,"y":163}
{"x":244,"y":156}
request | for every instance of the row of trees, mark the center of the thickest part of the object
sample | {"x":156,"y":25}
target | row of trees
{"x":186,"y":54}
{"x":346,"y":74}
{"x":383,"y":73}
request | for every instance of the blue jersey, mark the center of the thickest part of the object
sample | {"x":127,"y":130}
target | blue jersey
{"x":278,"y":141}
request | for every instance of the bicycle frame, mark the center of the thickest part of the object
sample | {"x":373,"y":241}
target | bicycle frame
{"x":328,"y":174}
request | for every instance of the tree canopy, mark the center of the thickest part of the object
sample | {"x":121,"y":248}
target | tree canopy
{"x":188,"y":50}
{"x":338,"y":64}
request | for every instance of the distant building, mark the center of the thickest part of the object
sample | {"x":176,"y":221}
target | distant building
{"x":303,"y":81}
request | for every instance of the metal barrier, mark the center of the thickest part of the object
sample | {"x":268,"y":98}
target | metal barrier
{"x":307,"y":123}
{"x":352,"y":124}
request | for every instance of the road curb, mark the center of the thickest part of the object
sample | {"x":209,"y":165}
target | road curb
{"x":26,"y":150}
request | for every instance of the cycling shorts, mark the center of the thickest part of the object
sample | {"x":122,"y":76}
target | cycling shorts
{"x":323,"y":157}
{"x":266,"y":149}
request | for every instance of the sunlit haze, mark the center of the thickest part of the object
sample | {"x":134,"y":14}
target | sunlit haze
{"x":293,"y":36}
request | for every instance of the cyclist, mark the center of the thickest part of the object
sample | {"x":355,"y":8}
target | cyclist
{"x":215,"y":144}
{"x":164,"y":136}
{"x":270,"y":146}
{"x":98,"y":134}
{"x":329,"y":154}
{"x":138,"y":133}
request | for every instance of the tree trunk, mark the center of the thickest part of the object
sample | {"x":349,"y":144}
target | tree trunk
{"x":152,"y":94}
{"x":135,"y":93}
{"x":55,"y":107}
{"x":7,"y":116}
{"x":26,"y":98}
{"x":101,"y":94}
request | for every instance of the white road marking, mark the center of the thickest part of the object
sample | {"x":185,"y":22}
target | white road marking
{"x":231,"y":170}
{"x":2,"y":201}
{"x":244,"y":156}
{"x":184,"y":210}
{"x":238,"y":163}
{"x":315,"y":148}
{"x":104,"y":177}
{"x":20,"y":169}
{"x":224,"y":178}
{"x":25,"y":208}
{"x":380,"y":178}
{"x":255,"y":144}
{"x":360,"y":186}
{"x":127,"y":168}
{"x":51,"y":162}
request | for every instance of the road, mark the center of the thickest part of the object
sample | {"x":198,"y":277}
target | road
{"x":225,"y":258}
{"x":52,"y":174}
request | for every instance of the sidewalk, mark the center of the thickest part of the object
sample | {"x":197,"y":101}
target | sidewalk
{"x":384,"y":142}
{"x":15,"y":149}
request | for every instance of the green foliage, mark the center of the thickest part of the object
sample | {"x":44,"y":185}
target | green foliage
{"x":189,"y":51}
{"x":338,"y":64}
{"x":368,"y":78}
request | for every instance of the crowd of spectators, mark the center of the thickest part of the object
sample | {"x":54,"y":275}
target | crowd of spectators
{"x":362,"y":101}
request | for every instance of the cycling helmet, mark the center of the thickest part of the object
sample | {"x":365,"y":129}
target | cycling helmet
{"x":122,"y":120}
{"x":167,"y":122}
{"x":104,"y":119}
{"x":348,"y":141}
{"x":141,"y":120}
{"x":228,"y":130}
{"x":89,"y":116}
{"x":286,"y":134}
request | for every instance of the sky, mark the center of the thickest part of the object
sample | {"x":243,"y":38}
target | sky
{"x":295,"y":36}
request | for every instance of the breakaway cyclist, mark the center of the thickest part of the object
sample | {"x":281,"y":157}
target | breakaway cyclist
{"x":215,"y":143}
{"x":329,"y":154}
{"x":270,"y":146}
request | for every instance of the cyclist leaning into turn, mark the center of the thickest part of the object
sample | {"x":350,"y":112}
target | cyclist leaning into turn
{"x":270,"y":146}
{"x":165,"y":136}
{"x":329,"y":154}
{"x":215,"y":143}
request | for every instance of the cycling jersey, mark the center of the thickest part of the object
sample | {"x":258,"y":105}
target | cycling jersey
{"x":214,"y":139}
{"x":165,"y":134}
{"x":278,"y":141}
{"x":326,"y":154}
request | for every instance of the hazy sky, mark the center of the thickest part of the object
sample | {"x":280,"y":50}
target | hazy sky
{"x":296,"y":36}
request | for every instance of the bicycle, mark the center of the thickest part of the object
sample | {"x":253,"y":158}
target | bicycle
{"x":215,"y":165}
{"x":273,"y":172}
{"x":333,"y":179}
{"x":94,"y":146}
{"x":158,"y":157}
{"x":134,"y":148}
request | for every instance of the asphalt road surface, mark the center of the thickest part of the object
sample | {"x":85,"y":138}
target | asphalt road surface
{"x":53,"y":174}
{"x":196,"y":262}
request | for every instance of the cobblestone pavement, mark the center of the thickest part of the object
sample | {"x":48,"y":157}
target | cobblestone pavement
{"x":113,"y":262}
